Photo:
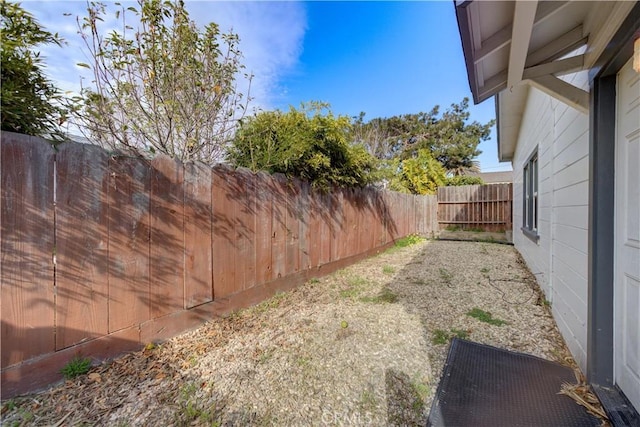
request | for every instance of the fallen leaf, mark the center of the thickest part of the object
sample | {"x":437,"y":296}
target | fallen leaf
{"x":94,"y":376}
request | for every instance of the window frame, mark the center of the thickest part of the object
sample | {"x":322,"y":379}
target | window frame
{"x":531,"y":197}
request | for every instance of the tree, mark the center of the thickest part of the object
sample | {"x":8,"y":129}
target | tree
{"x":31,"y":103}
{"x":164,"y":87}
{"x":458,"y":180}
{"x":450,"y":137}
{"x":421,"y":174}
{"x":309,"y":143}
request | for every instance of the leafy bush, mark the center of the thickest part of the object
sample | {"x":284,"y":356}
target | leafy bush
{"x":310,"y":143}
{"x":464,"y":180}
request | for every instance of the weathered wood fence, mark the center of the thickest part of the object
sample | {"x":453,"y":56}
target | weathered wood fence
{"x":488,"y":207}
{"x":102,"y":253}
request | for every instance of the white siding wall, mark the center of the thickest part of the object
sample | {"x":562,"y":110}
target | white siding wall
{"x":559,"y":257}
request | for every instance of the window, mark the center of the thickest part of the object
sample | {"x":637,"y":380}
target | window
{"x":530,"y":197}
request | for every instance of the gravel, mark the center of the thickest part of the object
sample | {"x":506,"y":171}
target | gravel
{"x":363,"y":346}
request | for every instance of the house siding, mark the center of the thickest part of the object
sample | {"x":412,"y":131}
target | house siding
{"x":558,"y":258}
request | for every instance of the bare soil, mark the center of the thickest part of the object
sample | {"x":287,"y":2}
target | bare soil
{"x":363,"y":346}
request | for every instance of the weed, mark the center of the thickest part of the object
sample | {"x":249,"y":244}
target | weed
{"x":356,"y":285}
{"x":485,"y":316}
{"x":387,"y":269}
{"x":368,"y":401}
{"x":459,"y":333}
{"x":420,"y":393}
{"x":191,"y":409}
{"x":409,"y":240}
{"x":266,"y":355}
{"x":303,"y":361}
{"x":314,"y":280}
{"x":440,"y":337}
{"x":75,"y":367}
{"x":272,"y":302}
{"x":476,"y":229}
{"x":453,"y":228}
{"x":446,"y":276}
{"x":484,"y":270}
{"x":386,"y":295}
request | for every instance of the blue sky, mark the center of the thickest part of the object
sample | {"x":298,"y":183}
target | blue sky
{"x":382,"y":58}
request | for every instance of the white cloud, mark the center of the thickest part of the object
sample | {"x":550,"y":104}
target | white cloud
{"x":271,"y":36}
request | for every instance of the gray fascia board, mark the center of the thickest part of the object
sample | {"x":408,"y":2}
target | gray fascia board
{"x":462,"y":16}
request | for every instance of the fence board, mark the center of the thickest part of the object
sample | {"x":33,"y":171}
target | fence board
{"x":167,"y":248}
{"x":128,"y":221}
{"x":279,"y":225}
{"x":482,"y":206}
{"x":264,"y":201}
{"x":314,"y":228}
{"x":292,"y":223}
{"x":336,"y":224}
{"x":304,"y":203}
{"x":82,"y":235}
{"x":223,"y":233}
{"x":26,"y":248}
{"x":198,"y":280}
{"x":326,"y":231}
{"x":245,"y":228}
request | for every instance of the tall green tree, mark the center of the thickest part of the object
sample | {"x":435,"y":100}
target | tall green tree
{"x":31,"y":103}
{"x":166,"y":86}
{"x":451,"y":137}
{"x":309,"y":143}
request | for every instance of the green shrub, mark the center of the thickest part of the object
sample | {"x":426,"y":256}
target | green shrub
{"x":76,"y":367}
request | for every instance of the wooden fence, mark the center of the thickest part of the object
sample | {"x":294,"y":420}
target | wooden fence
{"x":102,"y":253}
{"x":486,"y":207}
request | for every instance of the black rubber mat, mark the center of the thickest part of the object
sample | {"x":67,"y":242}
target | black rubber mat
{"x":488,"y":386}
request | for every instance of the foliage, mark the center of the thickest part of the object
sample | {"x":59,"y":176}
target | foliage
{"x":31,"y":104}
{"x":309,"y":143}
{"x":458,"y":180}
{"x":485,"y":316}
{"x":417,"y":175}
{"x":75,"y":367}
{"x":412,"y":239}
{"x":166,"y":86}
{"x":442,"y":337}
{"x":385,"y":296}
{"x":450,"y":137}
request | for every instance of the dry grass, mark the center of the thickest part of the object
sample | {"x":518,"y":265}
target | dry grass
{"x":355,"y":347}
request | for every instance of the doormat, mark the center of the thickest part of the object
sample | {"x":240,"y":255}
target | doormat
{"x":487,"y":386}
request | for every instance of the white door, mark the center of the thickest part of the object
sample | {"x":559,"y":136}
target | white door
{"x":627,"y":236}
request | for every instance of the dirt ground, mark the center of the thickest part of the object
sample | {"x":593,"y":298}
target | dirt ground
{"x":363,"y":346}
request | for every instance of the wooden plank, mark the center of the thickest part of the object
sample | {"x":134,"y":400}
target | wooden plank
{"x":336,"y":222}
{"x":26,"y":248}
{"x":292,"y":224}
{"x":245,"y":227}
{"x":347,"y":244}
{"x":279,"y":225}
{"x":224,"y":245}
{"x":325,"y":232}
{"x":304,"y":204}
{"x":314,"y":228}
{"x":82,"y":288}
{"x":128,"y":221}
{"x":264,"y":217}
{"x":198,"y":266}
{"x":167,"y":250}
